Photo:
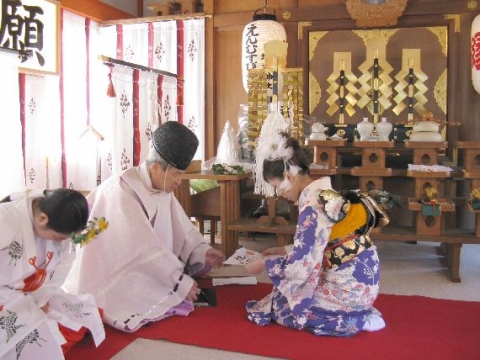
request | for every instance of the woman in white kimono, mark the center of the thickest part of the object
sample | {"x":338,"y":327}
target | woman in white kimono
{"x":327,"y":281}
{"x":37,"y":318}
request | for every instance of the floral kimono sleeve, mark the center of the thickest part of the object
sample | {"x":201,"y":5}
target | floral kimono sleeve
{"x":296,"y":275}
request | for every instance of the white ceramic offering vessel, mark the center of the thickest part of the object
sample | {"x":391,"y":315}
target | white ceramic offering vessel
{"x":426,"y":136}
{"x":318,"y":132}
{"x":426,"y":126}
{"x":426,"y":131}
{"x":384,"y":128}
{"x":365,"y":129}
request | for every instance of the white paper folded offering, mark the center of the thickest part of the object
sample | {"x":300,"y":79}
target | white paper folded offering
{"x":242,"y":257}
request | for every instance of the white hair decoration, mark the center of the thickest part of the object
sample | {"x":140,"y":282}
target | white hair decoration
{"x":294,"y":169}
{"x":271,"y":146}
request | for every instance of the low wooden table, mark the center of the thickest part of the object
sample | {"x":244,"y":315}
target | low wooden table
{"x":451,"y":241}
{"x":229,"y":203}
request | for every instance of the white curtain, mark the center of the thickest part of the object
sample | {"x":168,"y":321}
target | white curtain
{"x":70,"y":153}
{"x":168,"y":105}
{"x":52,"y":131}
{"x":107,"y":145}
{"x":102,"y":41}
{"x":35,"y":161}
{"x":122,"y":121}
{"x":135,"y":43}
{"x":11,"y":156}
{"x":165,"y":46}
{"x":108,"y":36}
{"x":147,"y":105}
{"x":42,"y":132}
{"x":74,"y":96}
{"x":155,"y":106}
{"x":194,"y":86}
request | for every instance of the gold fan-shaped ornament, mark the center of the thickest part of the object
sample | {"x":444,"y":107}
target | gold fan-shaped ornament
{"x":375,"y":14}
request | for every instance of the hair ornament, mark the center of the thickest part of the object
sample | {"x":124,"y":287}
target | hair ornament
{"x":293,"y":169}
{"x":95,"y":227}
{"x":271,"y":146}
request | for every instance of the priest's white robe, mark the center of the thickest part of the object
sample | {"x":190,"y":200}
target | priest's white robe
{"x":138,"y":269}
{"x":27,"y":331}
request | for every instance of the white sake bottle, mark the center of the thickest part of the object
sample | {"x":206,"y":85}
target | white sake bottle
{"x":384,"y":128}
{"x":365,"y":129}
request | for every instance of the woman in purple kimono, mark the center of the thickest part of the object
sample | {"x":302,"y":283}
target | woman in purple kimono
{"x":328,"y":280}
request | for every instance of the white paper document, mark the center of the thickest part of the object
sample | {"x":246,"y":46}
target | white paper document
{"x":431,"y":168}
{"x":242,"y":257}
{"x":246,"y":280}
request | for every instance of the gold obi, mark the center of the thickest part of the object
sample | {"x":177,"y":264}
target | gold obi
{"x":349,"y":237}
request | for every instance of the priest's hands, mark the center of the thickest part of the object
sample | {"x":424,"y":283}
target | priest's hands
{"x":193,"y":293}
{"x":255,"y":267}
{"x":214,"y":258}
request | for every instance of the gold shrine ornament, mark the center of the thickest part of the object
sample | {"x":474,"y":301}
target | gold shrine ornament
{"x":375,"y":13}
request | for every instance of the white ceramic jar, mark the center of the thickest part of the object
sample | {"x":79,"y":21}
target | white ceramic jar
{"x":384,"y":128}
{"x":318,"y":132}
{"x":365,"y":129}
{"x":429,"y":136}
{"x":426,"y":126}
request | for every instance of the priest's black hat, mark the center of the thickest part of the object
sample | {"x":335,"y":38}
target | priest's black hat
{"x":175,"y":143}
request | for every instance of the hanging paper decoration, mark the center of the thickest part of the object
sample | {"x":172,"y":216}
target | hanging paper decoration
{"x":262,"y":29}
{"x":476,"y":53}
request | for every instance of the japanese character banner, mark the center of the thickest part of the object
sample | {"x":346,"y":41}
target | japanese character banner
{"x":31,"y":28}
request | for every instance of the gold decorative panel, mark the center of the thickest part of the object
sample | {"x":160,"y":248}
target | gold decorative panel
{"x":395,"y":73}
{"x":290,"y":100}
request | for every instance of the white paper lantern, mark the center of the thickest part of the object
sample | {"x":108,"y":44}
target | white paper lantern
{"x":262,"y":29}
{"x":476,"y":53}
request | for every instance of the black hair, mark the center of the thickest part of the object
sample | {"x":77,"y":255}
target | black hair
{"x":67,"y":210}
{"x":274,"y":169}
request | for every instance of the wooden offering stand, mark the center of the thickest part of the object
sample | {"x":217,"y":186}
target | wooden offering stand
{"x":325,"y":156}
{"x":472,"y":172}
{"x":426,"y":153}
{"x":373,"y":169}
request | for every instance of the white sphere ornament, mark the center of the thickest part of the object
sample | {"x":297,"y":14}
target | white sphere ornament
{"x":262,"y":29}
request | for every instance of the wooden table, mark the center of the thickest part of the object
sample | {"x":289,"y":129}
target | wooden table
{"x":451,"y":242}
{"x":229,"y":207}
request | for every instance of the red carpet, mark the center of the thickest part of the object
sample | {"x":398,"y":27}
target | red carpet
{"x":417,"y":328}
